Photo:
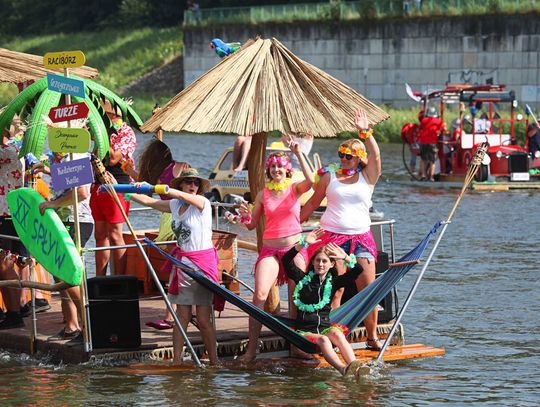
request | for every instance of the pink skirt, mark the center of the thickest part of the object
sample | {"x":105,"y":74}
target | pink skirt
{"x":278,"y":253}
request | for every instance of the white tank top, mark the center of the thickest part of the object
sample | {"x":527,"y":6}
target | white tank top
{"x":193,"y":229}
{"x":347,"y":209}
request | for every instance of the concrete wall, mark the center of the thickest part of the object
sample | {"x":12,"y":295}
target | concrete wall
{"x":377,"y":58}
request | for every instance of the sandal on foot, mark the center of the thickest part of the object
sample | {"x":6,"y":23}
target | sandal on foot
{"x":374,"y":344}
{"x":352,"y":367}
{"x":160,"y":325}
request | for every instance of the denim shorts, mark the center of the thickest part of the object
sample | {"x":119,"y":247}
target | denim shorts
{"x":360,"y":251}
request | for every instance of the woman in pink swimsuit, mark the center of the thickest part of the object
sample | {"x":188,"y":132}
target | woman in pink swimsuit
{"x":280,"y":204}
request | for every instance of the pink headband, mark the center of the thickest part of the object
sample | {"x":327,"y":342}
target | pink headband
{"x":279,"y":160}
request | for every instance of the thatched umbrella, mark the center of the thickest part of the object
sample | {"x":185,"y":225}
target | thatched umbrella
{"x":260,"y":88}
{"x":19,"y":67}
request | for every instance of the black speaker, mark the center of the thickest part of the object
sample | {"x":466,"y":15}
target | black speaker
{"x":114,"y":312}
{"x":387,"y":304}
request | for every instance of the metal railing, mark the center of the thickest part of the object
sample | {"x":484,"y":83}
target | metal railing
{"x":353,"y":10}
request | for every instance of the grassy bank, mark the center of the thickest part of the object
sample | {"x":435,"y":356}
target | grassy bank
{"x":121,"y":56}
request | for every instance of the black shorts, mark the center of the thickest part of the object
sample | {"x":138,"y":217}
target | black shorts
{"x":86,"y":229}
{"x":14,"y":246}
{"x":429,"y":152}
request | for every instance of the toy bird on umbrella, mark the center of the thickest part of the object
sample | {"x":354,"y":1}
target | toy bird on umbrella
{"x":224,"y":49}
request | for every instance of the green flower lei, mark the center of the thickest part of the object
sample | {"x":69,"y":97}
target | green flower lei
{"x":326,"y":293}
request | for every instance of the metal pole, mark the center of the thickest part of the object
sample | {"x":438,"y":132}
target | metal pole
{"x":33,"y":333}
{"x":168,"y":303}
{"x":77,"y":232}
{"x":411,"y":293}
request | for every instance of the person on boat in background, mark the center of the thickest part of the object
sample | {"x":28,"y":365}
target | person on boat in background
{"x":313,"y":295}
{"x":409,"y":132}
{"x":533,"y":138}
{"x":348,"y":189}
{"x":241,"y":147}
{"x":191,"y":222}
{"x":431,"y":127}
{"x":279,"y":201}
{"x":108,"y":217}
{"x":11,"y":177}
{"x":157,"y":166}
{"x":62,"y":203}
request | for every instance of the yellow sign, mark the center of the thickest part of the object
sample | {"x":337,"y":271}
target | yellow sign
{"x":64,"y":59}
{"x":69,"y":140}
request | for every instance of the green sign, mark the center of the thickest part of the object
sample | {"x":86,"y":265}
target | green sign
{"x":69,"y":140}
{"x":45,"y":236}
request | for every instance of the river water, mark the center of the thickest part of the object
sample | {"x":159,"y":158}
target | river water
{"x":478,"y":300}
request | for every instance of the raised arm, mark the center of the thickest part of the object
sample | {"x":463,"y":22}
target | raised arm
{"x":145,"y":200}
{"x":196,"y":200}
{"x":372,"y":171}
{"x":306,"y":184}
{"x":338,"y":254}
{"x":293,"y":271}
{"x":315,"y":201}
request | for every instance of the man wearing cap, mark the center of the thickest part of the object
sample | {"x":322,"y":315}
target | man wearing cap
{"x":428,"y":136}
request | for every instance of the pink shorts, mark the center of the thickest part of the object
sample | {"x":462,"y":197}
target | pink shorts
{"x":278,"y":253}
{"x":104,"y":208}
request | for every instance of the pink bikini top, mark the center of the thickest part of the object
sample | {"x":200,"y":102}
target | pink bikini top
{"x":282,"y":214}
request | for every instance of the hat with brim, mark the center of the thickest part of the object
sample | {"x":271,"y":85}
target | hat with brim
{"x":176,"y":183}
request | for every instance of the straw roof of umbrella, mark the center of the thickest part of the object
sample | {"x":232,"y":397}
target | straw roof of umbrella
{"x":260,"y":88}
{"x":18,"y":67}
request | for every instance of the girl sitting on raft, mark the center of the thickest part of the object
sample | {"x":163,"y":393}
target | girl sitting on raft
{"x":313,"y":297}
{"x":192,"y":223}
{"x":279,"y":201}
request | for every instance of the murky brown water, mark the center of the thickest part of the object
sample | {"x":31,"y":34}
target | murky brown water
{"x":479,"y":300}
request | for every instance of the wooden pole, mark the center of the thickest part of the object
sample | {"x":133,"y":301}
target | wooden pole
{"x":257,"y":181}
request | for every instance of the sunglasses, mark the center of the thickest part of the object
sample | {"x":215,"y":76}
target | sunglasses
{"x":194,"y":181}
{"x":347,"y":156}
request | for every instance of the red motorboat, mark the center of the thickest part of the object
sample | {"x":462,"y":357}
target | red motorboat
{"x":477,"y":114}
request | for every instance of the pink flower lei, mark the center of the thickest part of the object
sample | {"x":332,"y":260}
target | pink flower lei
{"x":280,"y":161}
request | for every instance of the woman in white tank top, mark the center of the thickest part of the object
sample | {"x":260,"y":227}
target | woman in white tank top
{"x":348,"y":188}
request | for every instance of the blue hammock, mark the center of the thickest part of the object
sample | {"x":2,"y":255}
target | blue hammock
{"x":354,"y":311}
{"x":351,"y":314}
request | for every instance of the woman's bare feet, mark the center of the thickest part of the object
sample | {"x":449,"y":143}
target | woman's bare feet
{"x":246,"y":358}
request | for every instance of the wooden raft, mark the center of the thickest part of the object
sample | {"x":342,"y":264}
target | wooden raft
{"x":393,"y":353}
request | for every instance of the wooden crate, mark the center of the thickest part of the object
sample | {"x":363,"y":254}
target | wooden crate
{"x":135,"y":264}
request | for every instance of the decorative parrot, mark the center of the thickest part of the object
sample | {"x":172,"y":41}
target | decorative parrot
{"x":36,"y":100}
{"x":224,"y":49}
